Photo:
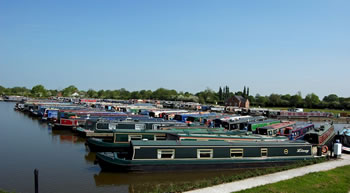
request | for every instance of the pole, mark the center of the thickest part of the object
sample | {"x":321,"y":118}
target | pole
{"x":36,"y":180}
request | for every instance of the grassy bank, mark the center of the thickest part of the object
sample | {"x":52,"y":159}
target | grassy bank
{"x":336,"y":180}
{"x":181,"y":187}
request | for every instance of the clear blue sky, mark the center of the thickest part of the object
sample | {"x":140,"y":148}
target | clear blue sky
{"x":271,"y":46}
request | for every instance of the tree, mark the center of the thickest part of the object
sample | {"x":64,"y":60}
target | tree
{"x":331,"y":98}
{"x":207,"y":96}
{"x":244,"y":92}
{"x":248,"y":92}
{"x":239,"y":93}
{"x":2,"y":89}
{"x":164,"y":94}
{"x":220,"y":94}
{"x":108,"y":94}
{"x":135,"y":95}
{"x":296,"y":101}
{"x":101,"y":94}
{"x":332,"y":101}
{"x":251,"y":100}
{"x":261,"y":100}
{"x":226,"y":93}
{"x":52,"y":92}
{"x":145,"y":94}
{"x":92,"y":93}
{"x":124,"y":94}
{"x":312,"y":100}
{"x":285,"y":100}
{"x":116,"y":94}
{"x":38,"y":91}
{"x":275,"y":100}
{"x":67,"y":92}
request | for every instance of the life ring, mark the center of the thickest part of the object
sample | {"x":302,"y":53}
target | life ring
{"x":324,"y":149}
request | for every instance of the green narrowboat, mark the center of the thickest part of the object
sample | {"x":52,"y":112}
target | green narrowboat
{"x":105,"y":126}
{"x":252,"y":126}
{"x":274,"y":129}
{"x":146,"y":156}
{"x":122,"y":137}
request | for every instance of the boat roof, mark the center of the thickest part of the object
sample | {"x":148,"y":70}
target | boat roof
{"x":322,"y":129}
{"x":216,"y":143}
{"x":232,"y":135}
{"x":279,"y":125}
{"x":265,"y":121}
{"x":174,"y":130}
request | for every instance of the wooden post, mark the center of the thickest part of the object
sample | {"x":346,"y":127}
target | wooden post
{"x":36,"y":180}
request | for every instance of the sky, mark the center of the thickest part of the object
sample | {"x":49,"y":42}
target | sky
{"x":270,"y":46}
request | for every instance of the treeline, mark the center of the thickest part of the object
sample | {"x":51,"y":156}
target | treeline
{"x":208,"y":96}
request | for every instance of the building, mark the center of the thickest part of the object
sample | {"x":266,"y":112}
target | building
{"x":237,"y":101}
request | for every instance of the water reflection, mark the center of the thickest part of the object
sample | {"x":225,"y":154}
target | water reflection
{"x":66,"y":136}
{"x":90,"y":157}
{"x":110,"y":178}
{"x":146,"y":182}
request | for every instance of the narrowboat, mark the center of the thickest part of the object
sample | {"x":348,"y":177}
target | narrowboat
{"x":294,"y":115}
{"x":274,"y":129}
{"x":322,"y":136}
{"x":107,"y":126}
{"x":122,"y":137}
{"x":236,"y":122}
{"x":71,"y":119}
{"x":149,"y":156}
{"x":297,"y":132}
{"x":199,"y":117}
{"x":252,"y":126}
{"x":345,"y":139}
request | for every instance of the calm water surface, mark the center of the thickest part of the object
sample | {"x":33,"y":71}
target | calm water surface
{"x":64,"y":163}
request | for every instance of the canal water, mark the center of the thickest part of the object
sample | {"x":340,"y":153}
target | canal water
{"x":64,"y":163}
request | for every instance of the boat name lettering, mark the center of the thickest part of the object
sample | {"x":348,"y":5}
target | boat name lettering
{"x":303,"y":151}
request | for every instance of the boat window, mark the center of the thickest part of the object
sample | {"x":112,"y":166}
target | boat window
{"x":156,"y":126}
{"x":236,"y":153}
{"x":135,"y":137}
{"x":159,"y":137}
{"x":275,"y":132}
{"x":166,"y":153}
{"x":139,"y":126}
{"x":204,"y":153}
{"x":263,"y":152}
{"x":112,"y":126}
{"x":102,"y":126}
{"x":286,"y":131}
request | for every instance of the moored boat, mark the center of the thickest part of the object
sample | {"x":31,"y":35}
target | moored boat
{"x":122,"y":138}
{"x":209,"y":155}
{"x":297,"y":132}
{"x":344,"y":136}
{"x":321,"y":137}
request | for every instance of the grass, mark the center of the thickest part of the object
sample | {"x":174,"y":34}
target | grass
{"x":181,"y":187}
{"x":336,"y":180}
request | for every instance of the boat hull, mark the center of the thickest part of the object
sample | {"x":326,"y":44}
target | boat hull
{"x":120,"y":165}
{"x":97,"y":145}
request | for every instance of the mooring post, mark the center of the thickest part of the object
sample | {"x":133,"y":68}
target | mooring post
{"x":36,"y":180}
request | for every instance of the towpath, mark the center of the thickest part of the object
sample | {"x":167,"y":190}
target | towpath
{"x":275,"y":177}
